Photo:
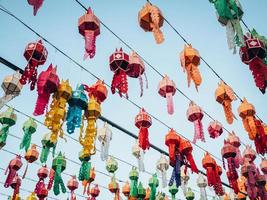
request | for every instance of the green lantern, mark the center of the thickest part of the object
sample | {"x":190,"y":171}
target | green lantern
{"x":189,"y":194}
{"x":29,"y":127}
{"x":134,"y":178}
{"x":173,"y":190}
{"x":111,"y":165}
{"x":160,"y":196}
{"x":7,"y":119}
{"x":153,"y":184}
{"x":47,"y":145}
{"x":141,"y":193}
{"x":84,"y":173}
{"x":59,"y":165}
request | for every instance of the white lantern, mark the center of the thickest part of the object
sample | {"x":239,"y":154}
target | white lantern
{"x":104,"y":137}
{"x":139,"y":154}
{"x":202,"y":184}
{"x":162,"y":167}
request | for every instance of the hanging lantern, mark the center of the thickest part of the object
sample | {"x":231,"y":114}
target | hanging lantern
{"x":29,"y":128}
{"x":104,"y":137}
{"x":260,"y":183}
{"x":139,"y":154}
{"x":263,"y":166}
{"x":85,"y":169}
{"x":89,"y":27}
{"x":249,"y":154}
{"x":87,"y":182}
{"x":55,"y":117}
{"x":133,"y":176}
{"x":224,"y":95}
{"x":15,"y":185}
{"x":260,"y":140}
{"x":147,"y":197}
{"x":111,"y":165}
{"x":126,"y":189}
{"x":136,"y":69}
{"x":59,"y":165}
{"x":262,"y":39}
{"x":153,"y":184}
{"x":11,"y":87}
{"x":229,"y":15}
{"x":143,"y":121}
{"x":113,"y":187}
{"x":151,"y":20}
{"x":173,"y":190}
{"x":235,"y":141}
{"x":7,"y":119}
{"x":184,"y":179}
{"x":229,"y":152}
{"x":77,"y":103}
{"x":141,"y":194}
{"x":72,"y":186}
{"x":172,"y":140}
{"x":119,"y":64}
{"x":254,"y":54}
{"x":202,"y":184}
{"x":47,"y":144}
{"x":215,"y":129}
{"x":36,"y":5}
{"x":195,"y":114}
{"x":94,"y":192}
{"x":14,"y":166}
{"x":36,"y":54}
{"x":190,"y":194}
{"x":40,"y":188}
{"x":242,"y":188}
{"x":31,"y":156}
{"x":47,"y":84}
{"x":162,"y":167}
{"x":160,"y":196}
{"x":98,"y":90}
{"x":248,"y":170}
{"x":167,"y":89}
{"x":32,"y":196}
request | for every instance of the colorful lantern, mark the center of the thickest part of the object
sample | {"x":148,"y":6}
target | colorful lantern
{"x":29,"y":128}
{"x":153,"y":184}
{"x":195,"y":114}
{"x":248,"y":170}
{"x":11,"y":87}
{"x":184,"y":179}
{"x":162,"y":167}
{"x":119,"y":64}
{"x":173,"y":190}
{"x":167,"y":89}
{"x":230,"y":14}
{"x":202,"y":184}
{"x":172,"y":140}
{"x":35,"y":54}
{"x":133,"y":176}
{"x":84,"y":173}
{"x":47,"y":84}
{"x":55,"y":118}
{"x":113,"y":187}
{"x":31,"y":156}
{"x":72,"y":186}
{"x":141,"y":192}
{"x":190,"y":60}
{"x":263,"y":166}
{"x":15,"y":185}
{"x":47,"y":144}
{"x":36,"y":5}
{"x":139,"y":154}
{"x":235,"y":141}
{"x":215,"y":129}
{"x":190,"y":194}
{"x":104,"y":136}
{"x":249,"y":154}
{"x":87,"y":182}
{"x":98,"y":90}
{"x":89,"y":27}
{"x":7,"y":119}
{"x":254,"y":54}
{"x":229,"y":152}
{"x":151,"y":20}
{"x":94,"y":192}
{"x":126,"y":189}
{"x":32,"y":196}
{"x":224,"y":95}
{"x":260,"y":140}
{"x":261,"y":182}
{"x":136,"y":69}
{"x":14,"y":166}
{"x":111,"y":165}
{"x":40,"y":188}
{"x":143,"y":121}
{"x":77,"y":103}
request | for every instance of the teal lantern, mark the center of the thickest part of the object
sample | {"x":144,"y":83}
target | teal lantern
{"x":84,"y":173}
{"x":153,"y":184}
{"x":173,"y":190}
{"x":59,"y":165}
{"x":189,"y":194}
{"x":7,"y":119}
{"x":134,"y":178}
{"x":141,"y":193}
{"x":47,"y":144}
{"x":29,"y":128}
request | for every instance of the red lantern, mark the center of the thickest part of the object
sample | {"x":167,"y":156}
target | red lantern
{"x":119,"y":64}
{"x":98,"y":90}
{"x":14,"y":165}
{"x":143,"y":121}
{"x":215,"y":129}
{"x":40,"y":188}
{"x":36,"y":54}
{"x":94,"y":192}
{"x":73,"y":185}
{"x":260,"y":140}
{"x":89,"y":27}
{"x":195,"y":114}
{"x":167,"y":89}
{"x":137,"y":69}
{"x":235,"y":141}
{"x":248,"y":170}
{"x":172,"y":140}
{"x":36,"y":5}
{"x":15,"y":184}
{"x":253,"y":54}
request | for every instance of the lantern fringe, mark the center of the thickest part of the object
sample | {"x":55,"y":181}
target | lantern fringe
{"x":227,"y":107}
{"x":26,"y":140}
{"x":58,"y":182}
{"x":176,"y":173}
{"x":170,"y":106}
{"x":195,"y":75}
{"x":199,"y":133}
{"x":105,"y":147}
{"x":3,"y":134}
{"x":74,"y":118}
{"x":41,"y":104}
{"x":250,"y":126}
{"x":203,"y":194}
{"x":158,"y":35}
{"x":141,"y":165}
{"x":90,"y":46}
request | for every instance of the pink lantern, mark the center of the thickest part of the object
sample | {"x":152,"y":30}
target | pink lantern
{"x":167,"y":89}
{"x":73,"y":185}
{"x":235,"y":141}
{"x":15,"y":184}
{"x":215,"y":129}
{"x":14,"y":165}
{"x":36,"y":5}
{"x":249,"y":154}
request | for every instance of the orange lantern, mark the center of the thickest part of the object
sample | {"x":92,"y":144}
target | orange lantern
{"x":126,"y":189}
{"x":195,"y":114}
{"x":147,"y":197}
{"x":172,"y":140}
{"x":167,"y":89}
{"x":242,"y":188}
{"x":113,"y":187}
{"x":151,"y":19}
{"x":224,"y":95}
{"x":215,"y":129}
{"x":98,"y":90}
{"x":190,"y":60}
{"x":73,"y":185}
{"x":31,"y":156}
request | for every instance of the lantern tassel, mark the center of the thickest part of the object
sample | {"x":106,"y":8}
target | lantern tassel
{"x":26,"y":140}
{"x":90,"y":47}
{"x":199,"y":134}
{"x":120,"y":82}
{"x":251,"y":189}
{"x":36,"y":5}
{"x":176,"y":173}
{"x":105,"y":147}
{"x":74,"y":118}
{"x":10,"y":176}
{"x":141,"y":165}
{"x":203,"y":193}
{"x":196,"y":76}
{"x":3,"y":134}
{"x":141,"y":85}
{"x":227,"y":107}
{"x":58,"y":182}
{"x":170,"y":106}
{"x":238,"y":158}
{"x":230,"y":34}
{"x":260,"y":139}
{"x":258,"y":69}
{"x":192,"y":163}
{"x":164,"y":178}
{"x":41,"y":104}
{"x":25,"y":172}
{"x":143,"y":138}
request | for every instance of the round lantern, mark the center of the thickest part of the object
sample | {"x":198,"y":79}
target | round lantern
{"x":14,"y":166}
{"x":111,"y":165}
{"x":263,"y":166}
{"x":173,"y":190}
{"x":94,"y":192}
{"x":202,"y":184}
{"x":151,"y":20}
{"x":89,"y":27}
{"x":189,"y":194}
{"x":36,"y":5}
{"x":215,"y":129}
{"x":172,"y":140}
{"x":72,"y":186}
{"x":126,"y":189}
{"x":139,"y":154}
{"x":167,"y":89}
{"x":104,"y":137}
{"x":162,"y":167}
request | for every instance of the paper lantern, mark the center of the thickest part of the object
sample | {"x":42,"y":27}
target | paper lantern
{"x":224,"y":95}
{"x":184,"y":179}
{"x":31,"y":156}
{"x":47,"y":145}
{"x":40,"y":188}
{"x":162,"y":167}
{"x":126,"y":189}
{"x":72,"y":186}
{"x":113,"y":187}
{"x":202,"y":184}
{"x":15,"y":185}
{"x":139,"y":154}
{"x":195,"y":114}
{"x":14,"y":165}
{"x":229,"y":15}
{"x":36,"y":5}
{"x":119,"y":64}
{"x":248,"y":170}
{"x":173,"y":190}
{"x":11,"y":87}
{"x":59,"y":165}
{"x":153,"y":184}
{"x":189,"y":194}
{"x":35,"y":53}
{"x":167,"y":89}
{"x":235,"y":141}
{"x":77,"y":103}
{"x":7,"y":119}
{"x":249,"y":154}
{"x":87,"y":182}
{"x":260,"y":140}
{"x":29,"y":128}
{"x":89,"y":27}
{"x":190,"y":61}
{"x":151,"y":20}
{"x":172,"y":140}
{"x":136,"y":69}
{"x":263,"y":166}
{"x":141,"y":191}
{"x":104,"y":136}
{"x":215,"y":129}
{"x":143,"y":121}
{"x":111,"y":165}
{"x":84,"y":172}
{"x":133,"y":176}
{"x":32,"y":196}
{"x":254,"y":54}
{"x":94,"y":192}
{"x":98,"y":90}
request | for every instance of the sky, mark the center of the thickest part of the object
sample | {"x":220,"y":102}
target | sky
{"x":195,"y":20}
